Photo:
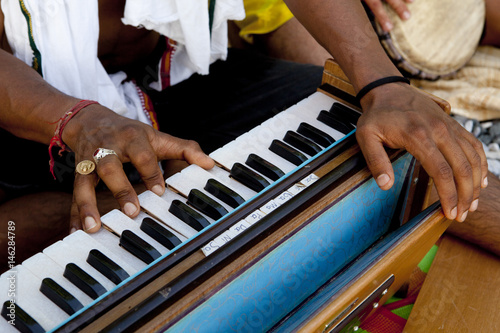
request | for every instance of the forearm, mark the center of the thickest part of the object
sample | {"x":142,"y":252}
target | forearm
{"x":29,"y":106}
{"x":343,"y":28}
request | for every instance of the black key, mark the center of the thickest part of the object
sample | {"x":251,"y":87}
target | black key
{"x":248,"y":177}
{"x":206,"y":205}
{"x":290,"y":154}
{"x":266,"y":168}
{"x":223,"y":193}
{"x":187,"y":214}
{"x":60,"y":296}
{"x":138,"y":247}
{"x":332,"y":121}
{"x":23,"y":321}
{"x":106,"y":266}
{"x":301,"y":143}
{"x":159,"y":233}
{"x":345,"y":113}
{"x":83,"y":281}
{"x":315,"y":134}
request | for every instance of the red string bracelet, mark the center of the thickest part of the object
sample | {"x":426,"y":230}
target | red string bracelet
{"x":61,"y":123}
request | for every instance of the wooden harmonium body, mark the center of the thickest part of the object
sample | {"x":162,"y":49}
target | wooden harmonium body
{"x":316,"y":250}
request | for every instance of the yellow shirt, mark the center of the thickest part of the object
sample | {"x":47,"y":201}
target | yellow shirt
{"x":263,"y":16}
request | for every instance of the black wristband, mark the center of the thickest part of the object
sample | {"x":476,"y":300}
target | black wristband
{"x":377,"y":83}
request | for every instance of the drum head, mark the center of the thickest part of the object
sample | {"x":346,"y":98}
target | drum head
{"x":440,"y":37}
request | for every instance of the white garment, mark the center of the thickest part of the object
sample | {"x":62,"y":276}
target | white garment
{"x":66,"y":33}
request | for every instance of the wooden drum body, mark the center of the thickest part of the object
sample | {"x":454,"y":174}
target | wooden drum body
{"x":439,"y":38}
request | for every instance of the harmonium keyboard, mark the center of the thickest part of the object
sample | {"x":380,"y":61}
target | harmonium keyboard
{"x":289,"y":232}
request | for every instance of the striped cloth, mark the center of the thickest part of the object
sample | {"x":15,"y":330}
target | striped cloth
{"x":475,"y":91}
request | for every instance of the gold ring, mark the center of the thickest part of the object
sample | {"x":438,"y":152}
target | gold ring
{"x":85,"y":167}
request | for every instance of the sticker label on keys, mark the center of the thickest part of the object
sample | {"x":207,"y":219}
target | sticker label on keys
{"x":283,"y":197}
{"x":312,"y":178}
{"x":254,"y":217}
{"x":210,"y":248}
{"x":296,"y":189}
{"x":240,"y":227}
{"x":225,"y":237}
{"x":270,"y":206}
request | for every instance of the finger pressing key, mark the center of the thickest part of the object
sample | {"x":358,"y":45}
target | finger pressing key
{"x":145,"y":161}
{"x":84,"y":208}
{"x":110,"y":169}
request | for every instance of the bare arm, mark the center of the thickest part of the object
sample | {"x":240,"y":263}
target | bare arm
{"x":30,"y":108}
{"x":396,"y":115}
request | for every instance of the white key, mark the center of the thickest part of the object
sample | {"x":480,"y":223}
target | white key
{"x":116,"y":253}
{"x":158,"y":207}
{"x":257,"y":141}
{"x":64,"y":253}
{"x":259,"y":138}
{"x":142,"y":215}
{"x":109,"y":247}
{"x":42,"y":266}
{"x":5,"y":327}
{"x":223,"y":176}
{"x":119,"y":222}
{"x":29,"y":297}
{"x":278,"y":161}
{"x":193,"y":177}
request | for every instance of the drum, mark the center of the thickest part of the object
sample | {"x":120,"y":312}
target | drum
{"x":439,"y":38}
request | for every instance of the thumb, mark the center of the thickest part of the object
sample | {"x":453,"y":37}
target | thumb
{"x":377,"y":160}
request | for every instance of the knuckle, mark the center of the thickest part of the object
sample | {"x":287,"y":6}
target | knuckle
{"x":131,"y":131}
{"x":477,"y":145}
{"x":365,"y":130}
{"x":83,"y":208}
{"x":445,"y":172}
{"x":123,"y":194}
{"x":145,"y":158}
{"x":375,"y":161}
{"x":192,"y":145}
{"x":476,"y":159}
{"x":153,"y":178}
{"x":419,"y":132}
{"x":440,"y":129}
{"x":106,"y":169}
{"x":452,"y":199}
{"x":464,"y":170}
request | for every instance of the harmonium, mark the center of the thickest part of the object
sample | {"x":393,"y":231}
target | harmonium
{"x":289,"y":232}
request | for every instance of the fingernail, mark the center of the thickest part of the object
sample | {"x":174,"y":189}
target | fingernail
{"x":382,"y":180}
{"x":157,"y":189}
{"x":73,"y":229}
{"x":129,"y":208}
{"x":388,"y":26}
{"x":485,"y":182}
{"x":406,"y":15}
{"x":89,"y":223}
{"x":454,"y":213}
{"x":463,"y":217}
{"x":474,"y":205}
